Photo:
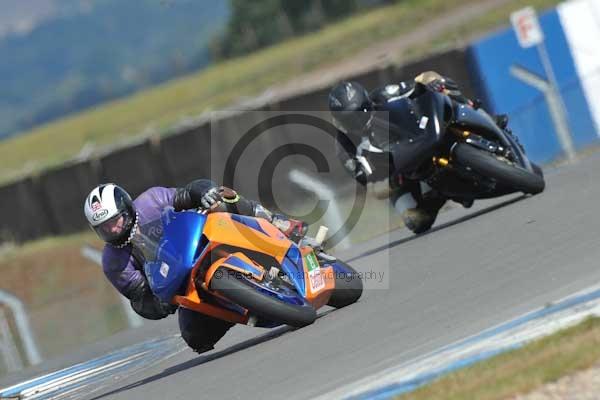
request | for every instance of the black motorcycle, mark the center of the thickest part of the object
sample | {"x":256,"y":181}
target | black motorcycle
{"x":456,"y":149}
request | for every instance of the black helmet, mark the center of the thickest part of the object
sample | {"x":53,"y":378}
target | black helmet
{"x":351,"y":107}
{"x":111,"y":214}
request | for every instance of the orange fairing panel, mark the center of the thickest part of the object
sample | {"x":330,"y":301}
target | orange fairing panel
{"x":192,"y":301}
{"x":221,"y":228}
{"x":319,"y":281}
{"x":319,"y":286}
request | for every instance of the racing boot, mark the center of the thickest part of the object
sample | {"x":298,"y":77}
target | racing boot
{"x":294,"y":229}
{"x":467,"y":203}
{"x":418,"y":220}
{"x":421,"y":218}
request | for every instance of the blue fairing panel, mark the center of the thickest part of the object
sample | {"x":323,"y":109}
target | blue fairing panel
{"x":239,"y":263}
{"x":292,"y":265}
{"x":176,"y":253}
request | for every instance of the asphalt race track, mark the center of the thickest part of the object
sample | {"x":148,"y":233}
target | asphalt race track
{"x":477,"y":268}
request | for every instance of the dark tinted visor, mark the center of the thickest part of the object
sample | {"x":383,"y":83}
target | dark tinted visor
{"x":114,"y":228}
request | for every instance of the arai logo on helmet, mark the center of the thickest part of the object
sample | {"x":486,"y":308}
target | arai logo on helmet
{"x":98,"y":215}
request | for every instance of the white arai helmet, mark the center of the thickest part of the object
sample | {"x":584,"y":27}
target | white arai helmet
{"x":111,"y":214}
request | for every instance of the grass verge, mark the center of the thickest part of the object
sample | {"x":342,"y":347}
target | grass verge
{"x":522,"y":370}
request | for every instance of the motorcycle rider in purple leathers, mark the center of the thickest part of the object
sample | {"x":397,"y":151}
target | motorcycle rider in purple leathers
{"x":115,"y":217}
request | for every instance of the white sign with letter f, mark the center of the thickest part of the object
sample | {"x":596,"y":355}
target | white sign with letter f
{"x":527,"y":27}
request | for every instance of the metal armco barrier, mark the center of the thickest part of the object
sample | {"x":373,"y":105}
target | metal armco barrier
{"x":8,"y":348}
{"x":22,"y":323}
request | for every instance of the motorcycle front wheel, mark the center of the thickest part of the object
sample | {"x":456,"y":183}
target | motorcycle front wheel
{"x":260,"y":302}
{"x":499,"y":169}
{"x":348,"y":286}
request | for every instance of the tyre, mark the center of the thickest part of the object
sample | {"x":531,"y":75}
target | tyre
{"x":237,"y":288}
{"x":538,"y":170}
{"x":348,"y":286}
{"x":506,"y":174}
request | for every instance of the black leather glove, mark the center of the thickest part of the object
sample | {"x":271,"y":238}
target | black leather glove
{"x":361,"y":175}
{"x":191,"y":196}
{"x":437,"y":85}
{"x":146,"y":304}
{"x":211,"y":198}
{"x":206,"y":194}
{"x":357,"y":170}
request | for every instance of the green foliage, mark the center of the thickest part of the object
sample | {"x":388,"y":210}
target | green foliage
{"x":260,"y":23}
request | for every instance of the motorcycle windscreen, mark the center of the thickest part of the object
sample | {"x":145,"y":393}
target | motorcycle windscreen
{"x":415,"y":128}
{"x":173,"y":245}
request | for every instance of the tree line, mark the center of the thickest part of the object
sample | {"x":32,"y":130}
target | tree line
{"x":259,"y":23}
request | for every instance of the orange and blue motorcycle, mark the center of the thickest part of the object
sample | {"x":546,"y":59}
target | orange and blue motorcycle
{"x":242,"y":269}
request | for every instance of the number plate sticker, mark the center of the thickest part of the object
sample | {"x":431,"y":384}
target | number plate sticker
{"x":315,"y":278}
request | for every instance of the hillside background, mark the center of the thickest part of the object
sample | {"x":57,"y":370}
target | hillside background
{"x":62,"y":56}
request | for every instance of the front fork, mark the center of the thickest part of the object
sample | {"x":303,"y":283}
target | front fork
{"x":476,"y":141}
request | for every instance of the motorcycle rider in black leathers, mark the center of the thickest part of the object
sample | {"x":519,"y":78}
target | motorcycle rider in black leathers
{"x":360,"y":139}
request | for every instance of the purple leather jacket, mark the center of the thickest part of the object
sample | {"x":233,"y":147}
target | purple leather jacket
{"x":121,"y":268}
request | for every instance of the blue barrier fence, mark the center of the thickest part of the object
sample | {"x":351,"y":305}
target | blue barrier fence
{"x":490,"y":62}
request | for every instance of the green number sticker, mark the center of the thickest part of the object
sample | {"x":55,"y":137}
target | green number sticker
{"x":311,"y":262}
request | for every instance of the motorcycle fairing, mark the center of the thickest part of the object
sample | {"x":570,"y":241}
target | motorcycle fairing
{"x":239,"y":262}
{"x":482,"y":124}
{"x":293,"y":267}
{"x":177,"y":250}
{"x":189,"y":241}
{"x":249,"y":222}
{"x":416,"y":127}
